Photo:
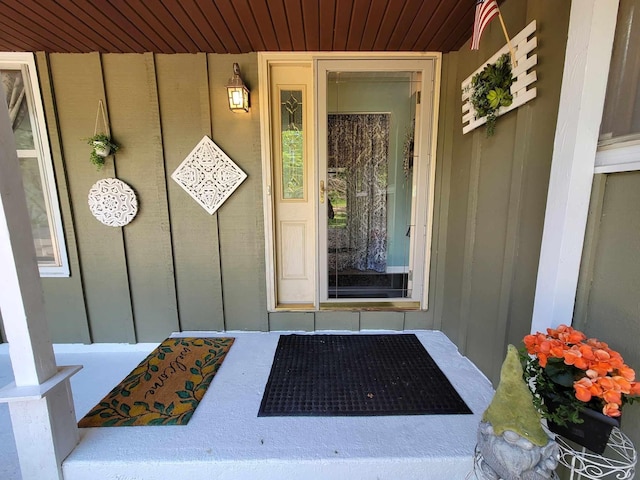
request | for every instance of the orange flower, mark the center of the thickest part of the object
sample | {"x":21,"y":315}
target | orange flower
{"x":627,"y":372}
{"x":591,"y":373}
{"x":606,"y":378}
{"x":557,"y":350}
{"x":587,"y":352}
{"x":612,"y":396}
{"x":606,"y":383}
{"x":529,"y":342}
{"x":601,"y":368}
{"x":596,"y":343}
{"x":573,"y":356}
{"x":582,"y":388}
{"x":575,"y":336}
{"x":622,"y":385}
{"x":601,"y":355}
{"x":542,"y":360}
{"x":611,"y":410}
{"x":616,"y":362}
{"x":544,"y":346}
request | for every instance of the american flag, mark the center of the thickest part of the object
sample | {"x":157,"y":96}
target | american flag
{"x":486,"y":10}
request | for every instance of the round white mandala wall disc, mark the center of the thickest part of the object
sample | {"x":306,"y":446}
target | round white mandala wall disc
{"x":113,"y":202}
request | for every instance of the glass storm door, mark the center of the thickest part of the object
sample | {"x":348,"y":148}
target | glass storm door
{"x":368,"y":123}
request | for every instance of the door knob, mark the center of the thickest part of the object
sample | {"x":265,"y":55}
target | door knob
{"x":322,"y":189}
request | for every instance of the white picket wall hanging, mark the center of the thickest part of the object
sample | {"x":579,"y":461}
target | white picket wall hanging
{"x":524,"y":75}
{"x":208,"y":175}
{"x":113,"y":202}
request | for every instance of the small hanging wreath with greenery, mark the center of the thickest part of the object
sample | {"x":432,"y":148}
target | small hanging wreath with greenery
{"x":490,"y":90}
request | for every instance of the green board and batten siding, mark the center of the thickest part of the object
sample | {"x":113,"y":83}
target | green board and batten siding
{"x":494,"y":194}
{"x":163,"y":272}
{"x":607,"y":305}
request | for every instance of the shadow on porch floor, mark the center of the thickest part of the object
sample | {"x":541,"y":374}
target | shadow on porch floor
{"x":226,"y":440}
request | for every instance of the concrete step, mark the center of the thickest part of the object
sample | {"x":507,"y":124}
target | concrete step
{"x":226,"y":440}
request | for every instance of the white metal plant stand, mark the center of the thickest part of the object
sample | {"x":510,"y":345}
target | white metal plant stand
{"x":617,"y":462}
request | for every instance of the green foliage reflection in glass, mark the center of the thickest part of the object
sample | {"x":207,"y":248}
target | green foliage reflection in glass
{"x":337,"y":194}
{"x":292,"y":144}
{"x":491,"y":89}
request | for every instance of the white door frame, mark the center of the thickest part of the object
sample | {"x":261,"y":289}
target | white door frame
{"x":425,"y":175}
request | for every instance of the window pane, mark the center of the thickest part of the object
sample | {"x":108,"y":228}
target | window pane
{"x":292,"y":144}
{"x":19,"y":89}
{"x":621,"y":118}
{"x":16,"y":98}
{"x":37,"y":211}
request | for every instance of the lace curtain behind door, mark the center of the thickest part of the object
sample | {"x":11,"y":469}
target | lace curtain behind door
{"x":359,"y":145}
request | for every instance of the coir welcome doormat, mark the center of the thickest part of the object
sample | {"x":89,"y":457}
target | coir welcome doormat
{"x":165,"y":388}
{"x":357,"y":375}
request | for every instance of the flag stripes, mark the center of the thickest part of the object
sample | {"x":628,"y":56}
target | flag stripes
{"x":486,"y":10}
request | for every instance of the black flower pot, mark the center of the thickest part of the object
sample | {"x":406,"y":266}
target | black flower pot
{"x":593,"y":433}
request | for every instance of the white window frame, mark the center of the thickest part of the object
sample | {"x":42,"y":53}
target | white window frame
{"x":25,"y":62}
{"x":618,"y":157}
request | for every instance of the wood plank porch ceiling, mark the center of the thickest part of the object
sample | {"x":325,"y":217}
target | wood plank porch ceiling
{"x":234,"y":26}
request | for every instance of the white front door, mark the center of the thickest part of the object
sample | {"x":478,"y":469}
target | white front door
{"x":348,"y":176}
{"x":293,"y":184}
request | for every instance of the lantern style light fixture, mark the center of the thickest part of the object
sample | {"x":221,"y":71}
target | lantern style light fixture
{"x":237,"y":92}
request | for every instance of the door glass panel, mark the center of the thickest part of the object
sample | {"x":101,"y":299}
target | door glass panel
{"x":291,"y":114}
{"x":370,"y":131}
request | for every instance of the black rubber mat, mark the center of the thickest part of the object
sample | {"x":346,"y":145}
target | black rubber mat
{"x":357,"y":375}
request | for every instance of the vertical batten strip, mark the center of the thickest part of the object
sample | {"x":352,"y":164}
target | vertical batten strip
{"x":469,"y":243}
{"x":512,"y":235}
{"x":442,"y":194}
{"x":183,"y":91}
{"x":130,"y":80}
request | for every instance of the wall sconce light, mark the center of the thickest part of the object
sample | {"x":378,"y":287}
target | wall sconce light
{"x":237,"y":92}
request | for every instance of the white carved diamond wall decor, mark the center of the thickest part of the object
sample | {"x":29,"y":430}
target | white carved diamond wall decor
{"x":113,"y":202}
{"x":208,"y":175}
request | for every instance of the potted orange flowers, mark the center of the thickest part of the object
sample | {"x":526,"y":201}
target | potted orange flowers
{"x":579,"y":384}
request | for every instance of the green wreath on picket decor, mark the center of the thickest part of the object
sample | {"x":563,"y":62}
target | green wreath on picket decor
{"x":491,"y":89}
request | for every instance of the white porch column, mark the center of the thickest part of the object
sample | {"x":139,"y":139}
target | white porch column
{"x":40,"y":402}
{"x":584,"y":81}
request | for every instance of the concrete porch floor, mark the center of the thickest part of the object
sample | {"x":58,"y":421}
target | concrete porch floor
{"x":226,"y":440}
